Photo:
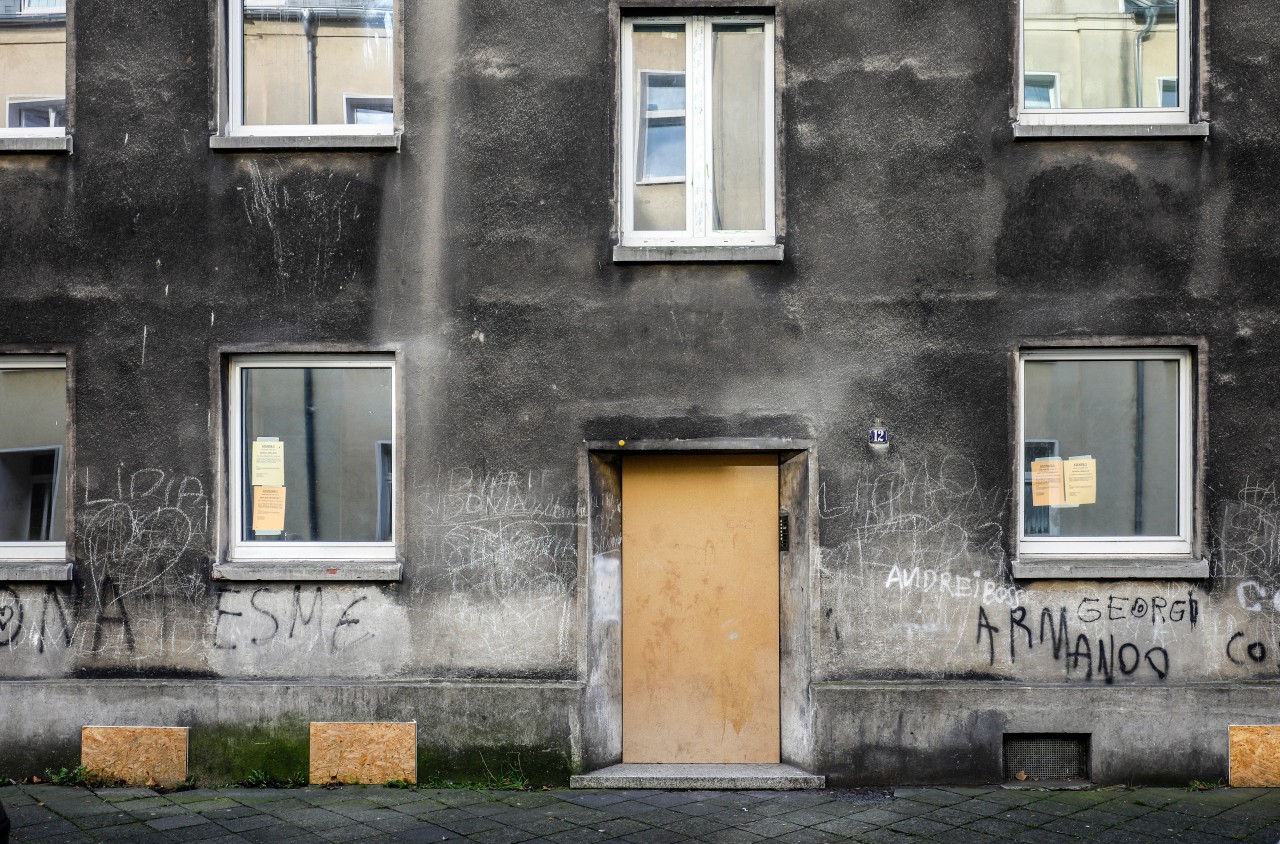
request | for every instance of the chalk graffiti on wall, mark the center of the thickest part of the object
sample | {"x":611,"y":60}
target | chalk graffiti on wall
{"x":139,"y":571}
{"x":501,"y":548}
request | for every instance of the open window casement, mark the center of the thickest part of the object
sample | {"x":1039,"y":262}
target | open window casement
{"x":33,"y":458}
{"x":697,"y":131}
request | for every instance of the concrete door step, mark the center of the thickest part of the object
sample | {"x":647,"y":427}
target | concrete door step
{"x":729,"y":777}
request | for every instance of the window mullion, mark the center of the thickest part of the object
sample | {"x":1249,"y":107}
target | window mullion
{"x":699,"y":133}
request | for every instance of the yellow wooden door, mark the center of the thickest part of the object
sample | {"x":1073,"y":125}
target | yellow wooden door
{"x":700,"y":608}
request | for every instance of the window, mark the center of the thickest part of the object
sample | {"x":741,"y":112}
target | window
{"x":1104,"y":61}
{"x":311,"y":457}
{"x":369,"y":111}
{"x":311,"y":67}
{"x":33,"y":457}
{"x":33,"y":69}
{"x":1105,"y":453}
{"x":697,"y":131}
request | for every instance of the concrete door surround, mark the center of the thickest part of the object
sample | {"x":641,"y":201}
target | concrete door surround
{"x":600,"y":568}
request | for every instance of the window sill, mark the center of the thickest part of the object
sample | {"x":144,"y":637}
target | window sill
{"x":310,"y":570}
{"x":234,"y":143}
{"x":764,"y":253}
{"x":1110,"y":568}
{"x":1064,"y":131}
{"x":49,"y":143}
{"x":34,"y":571}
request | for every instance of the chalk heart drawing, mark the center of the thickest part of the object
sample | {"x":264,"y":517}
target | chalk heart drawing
{"x":134,"y":551}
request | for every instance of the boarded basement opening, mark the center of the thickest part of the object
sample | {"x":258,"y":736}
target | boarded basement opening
{"x":1046,"y":756}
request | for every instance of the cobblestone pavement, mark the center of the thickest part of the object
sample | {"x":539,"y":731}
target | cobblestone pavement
{"x":44,"y":813}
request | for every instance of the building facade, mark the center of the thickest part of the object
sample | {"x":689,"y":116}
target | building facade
{"x":868,"y":388}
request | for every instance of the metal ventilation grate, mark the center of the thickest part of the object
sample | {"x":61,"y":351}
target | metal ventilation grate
{"x":1046,"y":756}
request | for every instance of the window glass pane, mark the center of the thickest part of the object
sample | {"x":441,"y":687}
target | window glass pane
{"x":303,"y":59}
{"x":658,"y":59}
{"x":33,"y":64}
{"x":33,"y":445}
{"x":1107,"y":53}
{"x":1038,"y":92}
{"x":334,"y":427}
{"x":1123,"y":414}
{"x":738,"y":126}
{"x":1169,"y":93}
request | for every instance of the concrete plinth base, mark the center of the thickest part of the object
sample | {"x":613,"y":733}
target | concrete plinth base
{"x":727,"y":777}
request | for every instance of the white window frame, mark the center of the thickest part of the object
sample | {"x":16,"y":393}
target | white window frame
{"x":60,"y":8}
{"x":1109,"y":116}
{"x":241,"y":550}
{"x":698,"y":137}
{"x":350,"y":102}
{"x":236,"y":127}
{"x":1055,"y":86}
{"x":43,"y":551}
{"x":31,"y":100}
{"x":1180,"y":545}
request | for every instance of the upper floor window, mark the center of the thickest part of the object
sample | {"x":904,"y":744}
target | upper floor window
{"x":1105,"y":62}
{"x":697,"y":131}
{"x":312,"y":457}
{"x":33,"y":457}
{"x":311,"y":67}
{"x":1106,"y":453}
{"x":33,"y":68}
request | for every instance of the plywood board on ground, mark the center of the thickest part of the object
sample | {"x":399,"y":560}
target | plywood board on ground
{"x":137,"y":755}
{"x":1255,"y":756}
{"x":364,"y":752}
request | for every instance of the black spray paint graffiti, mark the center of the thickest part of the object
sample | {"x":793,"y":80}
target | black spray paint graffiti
{"x":1052,"y":633}
{"x":50,"y":622}
{"x":269,"y":616}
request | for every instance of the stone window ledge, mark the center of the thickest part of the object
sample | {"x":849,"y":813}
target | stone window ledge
{"x":34,"y":571}
{"x":766,"y":253}
{"x":1110,"y":568}
{"x":235,"y":143}
{"x":1069,"y":132}
{"x":309,"y":570}
{"x":50,"y":143}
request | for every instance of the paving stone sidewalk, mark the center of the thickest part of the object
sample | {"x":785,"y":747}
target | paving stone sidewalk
{"x":48,"y":814}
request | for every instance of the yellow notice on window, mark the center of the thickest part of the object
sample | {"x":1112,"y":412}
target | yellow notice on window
{"x":1081,"y":474}
{"x":268,"y":509}
{"x":1046,"y":482}
{"x":268,"y":463}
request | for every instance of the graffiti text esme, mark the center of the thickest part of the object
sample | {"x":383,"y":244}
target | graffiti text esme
{"x":1069,"y":637}
{"x":268,"y":616}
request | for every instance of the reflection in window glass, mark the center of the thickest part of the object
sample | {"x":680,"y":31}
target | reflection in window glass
{"x":659,"y":63}
{"x":1106,"y":54}
{"x":33,"y":64}
{"x":328,"y":435}
{"x":304,"y":59}
{"x":33,"y":444}
{"x":1125,"y":415}
{"x":738,"y":126}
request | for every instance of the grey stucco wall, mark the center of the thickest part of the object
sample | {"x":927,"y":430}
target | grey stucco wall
{"x":921,"y":243}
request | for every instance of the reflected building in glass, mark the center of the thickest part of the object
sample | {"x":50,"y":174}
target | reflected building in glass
{"x":1100,"y":54}
{"x":318,"y":62}
{"x":33,"y":64}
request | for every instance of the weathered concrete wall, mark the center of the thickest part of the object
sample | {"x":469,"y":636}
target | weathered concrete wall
{"x":922,"y":242}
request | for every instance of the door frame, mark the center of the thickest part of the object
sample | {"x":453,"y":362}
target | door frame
{"x":600,"y":601}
